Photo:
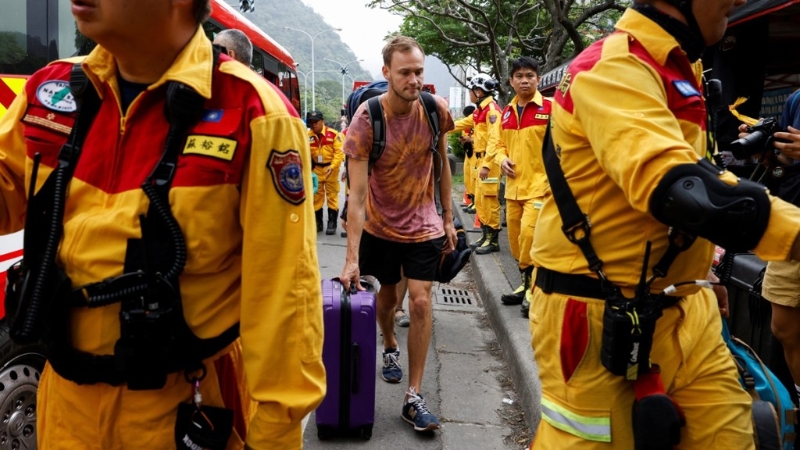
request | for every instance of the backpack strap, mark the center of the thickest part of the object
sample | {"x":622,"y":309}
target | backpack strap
{"x":375,"y":110}
{"x":432,"y":112}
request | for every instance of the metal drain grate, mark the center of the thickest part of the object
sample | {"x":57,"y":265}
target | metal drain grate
{"x":448,"y":296}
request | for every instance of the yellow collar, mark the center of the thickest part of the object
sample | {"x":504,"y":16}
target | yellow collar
{"x":655,"y":39}
{"x":537,"y":98}
{"x":192,"y":66}
{"x":485,"y":101}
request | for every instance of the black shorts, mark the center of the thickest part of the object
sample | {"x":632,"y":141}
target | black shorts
{"x":383,"y":259}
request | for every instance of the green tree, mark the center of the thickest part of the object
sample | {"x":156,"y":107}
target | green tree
{"x":329,"y":101}
{"x":487,"y":35}
{"x":578,"y":24}
{"x":483,"y":36}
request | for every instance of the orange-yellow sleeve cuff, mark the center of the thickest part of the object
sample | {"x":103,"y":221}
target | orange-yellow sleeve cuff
{"x":782,"y":229}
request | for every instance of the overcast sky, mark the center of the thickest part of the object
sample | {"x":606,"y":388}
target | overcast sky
{"x":363,"y":28}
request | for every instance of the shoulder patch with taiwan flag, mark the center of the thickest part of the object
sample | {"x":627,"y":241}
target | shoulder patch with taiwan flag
{"x":686,"y":88}
{"x":286,"y":169}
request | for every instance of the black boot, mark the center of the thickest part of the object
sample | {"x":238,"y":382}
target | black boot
{"x":318,"y":213}
{"x":525,"y":308}
{"x":518,"y":295}
{"x":491,"y":244}
{"x":471,"y":202}
{"x":479,"y":242}
{"x":333,"y":216}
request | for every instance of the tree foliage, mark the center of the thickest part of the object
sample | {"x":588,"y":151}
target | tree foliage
{"x":485,"y":35}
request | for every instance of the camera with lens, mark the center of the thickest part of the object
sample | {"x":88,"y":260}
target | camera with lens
{"x":759,"y":140}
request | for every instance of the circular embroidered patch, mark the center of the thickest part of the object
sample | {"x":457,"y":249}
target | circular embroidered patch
{"x":55,"y":95}
{"x":287,"y":175}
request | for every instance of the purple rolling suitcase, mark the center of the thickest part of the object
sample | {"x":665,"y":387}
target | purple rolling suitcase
{"x":349,"y":353}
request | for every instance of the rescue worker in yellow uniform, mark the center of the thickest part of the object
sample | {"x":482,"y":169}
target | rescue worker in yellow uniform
{"x":327,"y":158}
{"x":467,"y":141}
{"x":629,"y":133}
{"x":485,"y":122}
{"x":519,"y":154}
{"x":154,"y":255}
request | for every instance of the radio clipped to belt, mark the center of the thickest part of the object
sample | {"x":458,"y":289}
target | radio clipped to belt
{"x":628,"y":323}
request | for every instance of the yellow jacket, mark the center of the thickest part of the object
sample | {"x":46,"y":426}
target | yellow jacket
{"x":326,"y":148}
{"x":521,"y":142}
{"x":245,"y":164}
{"x":627,"y":111}
{"x":486,"y":124}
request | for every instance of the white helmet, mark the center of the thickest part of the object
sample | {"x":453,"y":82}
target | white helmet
{"x":482,"y":81}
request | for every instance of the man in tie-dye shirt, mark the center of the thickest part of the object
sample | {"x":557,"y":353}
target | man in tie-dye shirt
{"x":397,"y":226}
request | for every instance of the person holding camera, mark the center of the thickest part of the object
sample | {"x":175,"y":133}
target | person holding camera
{"x":781,"y":285}
{"x":625,"y":329}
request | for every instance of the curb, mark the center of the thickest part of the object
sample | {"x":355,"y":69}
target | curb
{"x":512,"y":330}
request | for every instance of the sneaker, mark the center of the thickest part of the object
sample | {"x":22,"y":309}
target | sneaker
{"x":415,"y":412}
{"x":401,"y":319}
{"x":392,"y":373}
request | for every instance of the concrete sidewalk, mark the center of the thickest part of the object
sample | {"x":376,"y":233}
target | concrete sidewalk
{"x":497,"y":274}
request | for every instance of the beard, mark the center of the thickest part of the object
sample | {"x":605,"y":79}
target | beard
{"x":405,"y":95}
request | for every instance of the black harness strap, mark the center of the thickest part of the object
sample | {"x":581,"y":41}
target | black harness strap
{"x":45,"y":217}
{"x":183,"y":109}
{"x":577,"y":226}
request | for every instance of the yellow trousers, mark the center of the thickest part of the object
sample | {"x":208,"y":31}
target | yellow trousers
{"x":469,"y":174}
{"x":696,"y":367}
{"x":521,"y":216}
{"x":489,"y":206}
{"x":328,"y":189}
{"x":103,"y":417}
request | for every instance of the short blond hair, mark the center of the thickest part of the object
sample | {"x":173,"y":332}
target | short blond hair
{"x":400,"y":44}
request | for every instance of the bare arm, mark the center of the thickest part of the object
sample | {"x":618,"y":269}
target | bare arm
{"x":356,"y":214}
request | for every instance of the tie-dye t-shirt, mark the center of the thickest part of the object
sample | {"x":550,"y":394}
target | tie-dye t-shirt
{"x":400,"y":203}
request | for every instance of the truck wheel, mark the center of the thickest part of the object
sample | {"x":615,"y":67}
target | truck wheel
{"x":20,"y":370}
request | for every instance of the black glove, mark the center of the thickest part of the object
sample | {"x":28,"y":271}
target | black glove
{"x":657,"y":420}
{"x":657,"y":423}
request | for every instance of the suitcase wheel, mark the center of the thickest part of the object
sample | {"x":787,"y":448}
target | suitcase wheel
{"x":324,"y":432}
{"x":365,"y":432}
